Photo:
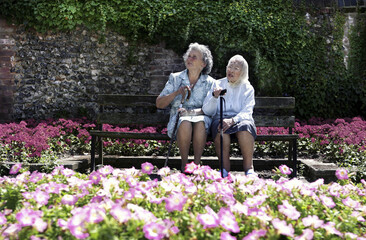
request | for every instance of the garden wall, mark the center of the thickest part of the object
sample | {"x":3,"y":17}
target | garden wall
{"x":59,"y":75}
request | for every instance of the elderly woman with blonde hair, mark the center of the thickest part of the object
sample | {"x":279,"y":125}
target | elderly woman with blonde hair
{"x":237,"y":114}
{"x":192,"y":124}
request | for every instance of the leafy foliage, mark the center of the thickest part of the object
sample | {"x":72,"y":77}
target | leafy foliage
{"x":291,"y":50}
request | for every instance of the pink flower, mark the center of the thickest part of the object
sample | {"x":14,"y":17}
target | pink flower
{"x":226,"y":236}
{"x":69,"y":199}
{"x":147,"y":168}
{"x":288,"y":210}
{"x":307,"y":234}
{"x":106,"y":170}
{"x":330,"y":229}
{"x":285,"y":170}
{"x":341,"y":173}
{"x":67,"y":172}
{"x":209,"y":219}
{"x":154,"y":231}
{"x":349,"y":202}
{"x":79,"y":232}
{"x":255,"y":234}
{"x":95,"y":214}
{"x":228,"y":221}
{"x":313,"y":221}
{"x":2,"y":219}
{"x":327,"y":201}
{"x":12,"y":230}
{"x":15,"y":168}
{"x":255,"y":201}
{"x":76,"y":224}
{"x":41,"y":197}
{"x":27,"y":217}
{"x":283,"y":228}
{"x":40,"y":225}
{"x":62,"y":223}
{"x":164,"y":171}
{"x":190,"y":167}
{"x":95,"y":177}
{"x":175,"y":202}
{"x":122,"y":215}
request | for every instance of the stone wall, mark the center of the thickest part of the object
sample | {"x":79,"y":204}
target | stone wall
{"x":7,"y":52}
{"x":60,"y":75}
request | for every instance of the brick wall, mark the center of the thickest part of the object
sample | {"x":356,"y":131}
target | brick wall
{"x":7,"y":52}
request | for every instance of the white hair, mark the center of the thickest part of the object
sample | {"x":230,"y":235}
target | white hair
{"x":244,"y":74}
{"x":206,"y":56}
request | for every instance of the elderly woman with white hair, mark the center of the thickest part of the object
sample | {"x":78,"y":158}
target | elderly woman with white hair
{"x":193,"y":125}
{"x":237,"y":113}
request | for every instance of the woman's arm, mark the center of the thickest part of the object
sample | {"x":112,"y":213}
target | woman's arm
{"x":164,"y":101}
{"x":170,"y":91}
{"x":248,"y":102}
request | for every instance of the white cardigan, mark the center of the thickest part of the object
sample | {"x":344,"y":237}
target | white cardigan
{"x":239,"y":101}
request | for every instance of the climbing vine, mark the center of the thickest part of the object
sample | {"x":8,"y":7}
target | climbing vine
{"x":292,"y":50}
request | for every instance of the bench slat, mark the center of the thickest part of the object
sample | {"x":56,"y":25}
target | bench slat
{"x":159,"y":136}
{"x":149,"y":100}
{"x":275,"y":102}
{"x":274,"y":121}
{"x":130,"y":135}
{"x":126,"y":100}
{"x":158,"y":118}
{"x":151,"y":119}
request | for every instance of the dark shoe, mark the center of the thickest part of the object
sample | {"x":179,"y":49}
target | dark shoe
{"x":224,"y":173}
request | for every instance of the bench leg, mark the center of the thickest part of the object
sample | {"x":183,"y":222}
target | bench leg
{"x":295,"y":158}
{"x":290,"y":150}
{"x":92,"y":154}
{"x":100,"y":149}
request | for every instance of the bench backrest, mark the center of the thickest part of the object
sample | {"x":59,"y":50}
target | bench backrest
{"x":141,"y":109}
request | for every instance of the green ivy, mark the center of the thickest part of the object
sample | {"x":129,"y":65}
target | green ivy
{"x":288,"y":53}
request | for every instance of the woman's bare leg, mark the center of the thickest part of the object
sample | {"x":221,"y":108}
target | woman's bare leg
{"x":246,"y":143}
{"x":184,"y":135}
{"x":225,"y":148}
{"x":199,"y":141}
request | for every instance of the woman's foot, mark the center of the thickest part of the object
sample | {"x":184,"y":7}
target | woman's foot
{"x":224,"y":173}
{"x":250,"y":172}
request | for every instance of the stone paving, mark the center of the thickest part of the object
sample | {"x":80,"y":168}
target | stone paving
{"x":312,"y":169}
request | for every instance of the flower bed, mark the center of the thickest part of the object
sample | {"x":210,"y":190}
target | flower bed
{"x":342,"y":141}
{"x":127,"y":204}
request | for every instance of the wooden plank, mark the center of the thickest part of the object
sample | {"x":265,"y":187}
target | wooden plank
{"x":149,"y":100}
{"x":274,"y":121}
{"x":134,"y":118}
{"x":275,"y":102}
{"x":126,"y":100}
{"x":160,"y":136}
{"x":130,"y":135}
{"x":162,"y":119}
{"x":285,"y":137}
{"x":269,"y":111}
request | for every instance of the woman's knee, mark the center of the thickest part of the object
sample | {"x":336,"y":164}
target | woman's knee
{"x":185,"y":126}
{"x":245,"y":136}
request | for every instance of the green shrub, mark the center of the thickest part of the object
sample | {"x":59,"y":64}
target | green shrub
{"x":289,"y":54}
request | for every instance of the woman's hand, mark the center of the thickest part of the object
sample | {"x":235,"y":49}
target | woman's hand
{"x":183,"y":89}
{"x":216,"y":92}
{"x":184,"y":112}
{"x":226,"y":124}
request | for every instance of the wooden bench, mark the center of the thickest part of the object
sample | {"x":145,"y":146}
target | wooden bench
{"x":141,"y":109}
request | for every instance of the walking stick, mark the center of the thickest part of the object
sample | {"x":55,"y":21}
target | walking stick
{"x":221,"y":135}
{"x":222,"y":93}
{"x":175,"y":125}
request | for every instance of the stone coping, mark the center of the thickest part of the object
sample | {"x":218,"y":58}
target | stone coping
{"x":313,"y":169}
